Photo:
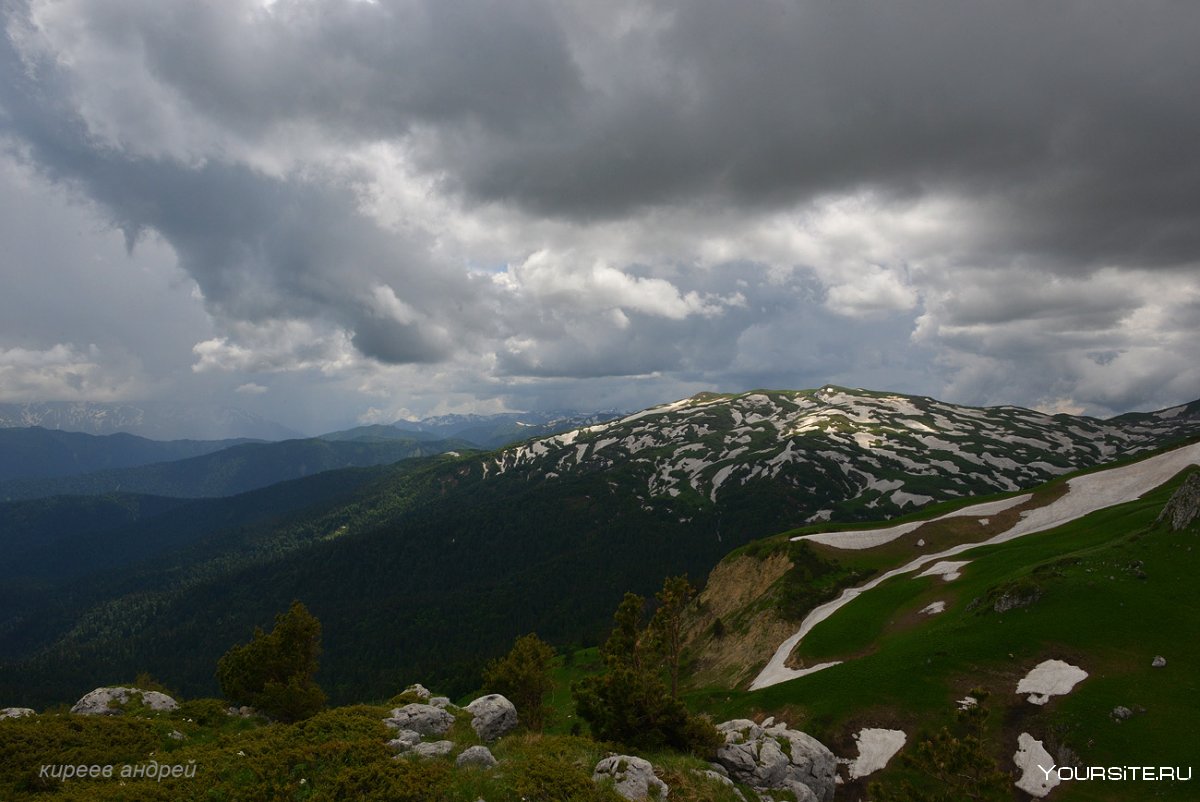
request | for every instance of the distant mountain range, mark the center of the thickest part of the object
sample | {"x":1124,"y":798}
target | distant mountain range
{"x":37,"y":453}
{"x":426,"y":568}
{"x":484,"y":431}
{"x":155,"y":421}
{"x":168,"y":422}
{"x":231,"y":470}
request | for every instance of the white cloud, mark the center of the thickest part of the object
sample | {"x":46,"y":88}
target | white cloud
{"x":278,"y":345}
{"x":875,"y":291}
{"x":66,"y":372}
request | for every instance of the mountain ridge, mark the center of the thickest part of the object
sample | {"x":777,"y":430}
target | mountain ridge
{"x":437,"y":565}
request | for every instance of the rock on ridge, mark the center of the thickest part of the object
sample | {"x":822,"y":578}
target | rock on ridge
{"x":1184,"y":505}
{"x":109,"y":701}
{"x":776,"y":757}
{"x":633,"y":777}
{"x":433,"y":748}
{"x":493,"y":716}
{"x":422,"y":719}
{"x":476,"y":756}
{"x":17,"y":712}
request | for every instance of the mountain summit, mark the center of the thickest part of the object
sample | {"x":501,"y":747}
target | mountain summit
{"x":850,"y":453}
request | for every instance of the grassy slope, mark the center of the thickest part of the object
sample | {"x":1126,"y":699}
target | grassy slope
{"x":1095,"y":612}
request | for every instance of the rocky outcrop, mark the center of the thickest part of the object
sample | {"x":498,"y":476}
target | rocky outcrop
{"x":109,"y":701}
{"x":419,"y":718}
{"x":17,"y":712}
{"x":1184,"y":506}
{"x":476,"y":756}
{"x":492,"y":716}
{"x":632,"y":777}
{"x":776,"y":757}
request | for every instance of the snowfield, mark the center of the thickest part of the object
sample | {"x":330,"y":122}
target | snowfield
{"x":946,"y":569}
{"x":870,"y":538}
{"x":1050,"y":678}
{"x":1085,"y":494}
{"x":1035,"y":764}
{"x":875,"y":748}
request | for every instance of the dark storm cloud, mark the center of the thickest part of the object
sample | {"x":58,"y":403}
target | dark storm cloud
{"x":260,"y":248}
{"x":791,"y":189}
{"x":360,"y":69}
{"x":1077,"y":120}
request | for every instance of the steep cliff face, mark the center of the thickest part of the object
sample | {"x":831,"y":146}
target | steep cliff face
{"x":737,"y":622}
{"x":1184,"y":507}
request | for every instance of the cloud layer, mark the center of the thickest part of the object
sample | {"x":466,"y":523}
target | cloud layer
{"x":425,"y":205}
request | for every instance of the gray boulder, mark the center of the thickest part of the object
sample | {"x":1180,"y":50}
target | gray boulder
{"x":433,"y":749}
{"x":439,"y":701}
{"x":777,"y":757}
{"x":633,"y":777}
{"x":492,"y":716}
{"x":405,"y":740}
{"x":418,"y":690}
{"x":17,"y":712}
{"x":1158,"y":662}
{"x":109,"y":701}
{"x":476,"y":756}
{"x":423,"y":719}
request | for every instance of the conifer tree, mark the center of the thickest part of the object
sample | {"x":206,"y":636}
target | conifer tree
{"x":629,"y":703}
{"x":275,"y":671}
{"x":523,"y":676}
{"x":667,"y":625}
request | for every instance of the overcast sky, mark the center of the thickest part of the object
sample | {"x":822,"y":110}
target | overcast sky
{"x":337,"y":210}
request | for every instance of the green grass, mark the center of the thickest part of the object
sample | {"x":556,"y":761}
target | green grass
{"x":1094,"y":611}
{"x":567,"y":671}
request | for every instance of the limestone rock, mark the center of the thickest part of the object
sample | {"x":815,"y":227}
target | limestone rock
{"x":1158,"y":662}
{"x":423,"y":719}
{"x":439,"y":701}
{"x":492,"y":716}
{"x":1184,"y":505}
{"x":108,"y":701}
{"x":633,"y":777}
{"x":476,"y":756}
{"x":433,"y":748}
{"x":17,"y":712}
{"x":418,"y":690}
{"x":405,"y":740}
{"x":777,"y":757}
